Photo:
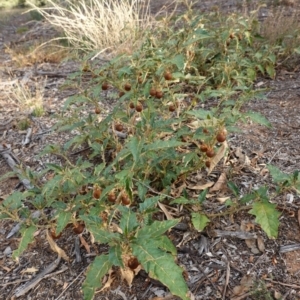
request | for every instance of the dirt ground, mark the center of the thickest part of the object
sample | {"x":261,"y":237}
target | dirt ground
{"x":226,"y":262}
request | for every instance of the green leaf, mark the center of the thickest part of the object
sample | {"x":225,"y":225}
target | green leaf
{"x":98,"y":169}
{"x":96,"y":271}
{"x":156,"y":229}
{"x":103,"y":236}
{"x":135,"y":148}
{"x":258,"y":118}
{"x":267,"y":216}
{"x":115,"y":255}
{"x":200,"y":113}
{"x":164,"y":243}
{"x":178,"y":60}
{"x":202,"y":196}
{"x":149,"y":203}
{"x":163,"y":144}
{"x":233,"y":188}
{"x":161,"y":266}
{"x":271,"y":71}
{"x":128,"y":220}
{"x":199,"y":221}
{"x":277,"y":174}
{"x":181,"y":200}
{"x":27,"y":237}
{"x":62,"y":220}
{"x":14,"y":201}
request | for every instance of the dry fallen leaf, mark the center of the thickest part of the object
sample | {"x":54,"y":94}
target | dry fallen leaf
{"x":223,"y":199}
{"x":85,"y":244}
{"x":166,"y":212}
{"x":29,"y":270}
{"x":219,"y":155}
{"x":260,"y":243}
{"x":201,"y":187}
{"x":219,"y":185}
{"x":127,"y":274}
{"x":111,"y":278}
{"x":56,"y":248}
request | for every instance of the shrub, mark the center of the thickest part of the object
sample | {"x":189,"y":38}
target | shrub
{"x":178,"y":96}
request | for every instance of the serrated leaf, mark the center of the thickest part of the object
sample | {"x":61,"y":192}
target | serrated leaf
{"x":115,"y":255}
{"x":163,"y":145}
{"x":277,"y":174}
{"x":128,"y":220}
{"x":149,"y":203}
{"x":135,"y":148}
{"x":99,"y":267}
{"x":200,"y":113}
{"x":98,"y":169}
{"x":199,"y":221}
{"x":164,"y":243}
{"x":27,"y":238}
{"x":62,"y":221}
{"x":161,"y":266}
{"x":156,"y":229}
{"x":258,"y":118}
{"x":13,"y":201}
{"x":267,"y":217}
{"x":103,"y":236}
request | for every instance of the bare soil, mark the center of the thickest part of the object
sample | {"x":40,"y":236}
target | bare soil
{"x":227,"y":262}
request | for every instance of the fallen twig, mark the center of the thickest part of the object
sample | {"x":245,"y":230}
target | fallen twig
{"x":22,"y":290}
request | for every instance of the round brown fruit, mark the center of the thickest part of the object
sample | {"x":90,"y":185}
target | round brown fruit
{"x":112,"y":197}
{"x":139,"y":107}
{"x":140,"y":80}
{"x":97,"y":110}
{"x":104,"y":86}
{"x":205,"y":130}
{"x":97,"y":191}
{"x":203,"y":148}
{"x":121,"y":94}
{"x":78,"y":228}
{"x":152,"y":92}
{"x":54,"y":235}
{"x":125,"y":200}
{"x":159,"y":94}
{"x":210,"y":153}
{"x":207,"y":163}
{"x":221,"y":137}
{"x":168,"y":75}
{"x":172,"y":107}
{"x":127,"y":87}
{"x":133,"y":263}
{"x":131,"y":105}
{"x":119,"y":127}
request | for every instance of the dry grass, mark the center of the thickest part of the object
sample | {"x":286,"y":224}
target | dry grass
{"x":282,"y":27}
{"x":104,"y":26}
{"x":39,"y":52}
{"x":28,"y":99}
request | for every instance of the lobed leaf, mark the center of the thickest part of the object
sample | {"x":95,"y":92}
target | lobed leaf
{"x":26,"y":239}
{"x":267,"y":217}
{"x":96,"y":271}
{"x":161,"y":266}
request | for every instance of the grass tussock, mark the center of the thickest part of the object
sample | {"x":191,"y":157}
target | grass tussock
{"x":100,"y":25}
{"x":28,"y":55}
{"x":282,"y":28}
{"x":28,"y":99}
